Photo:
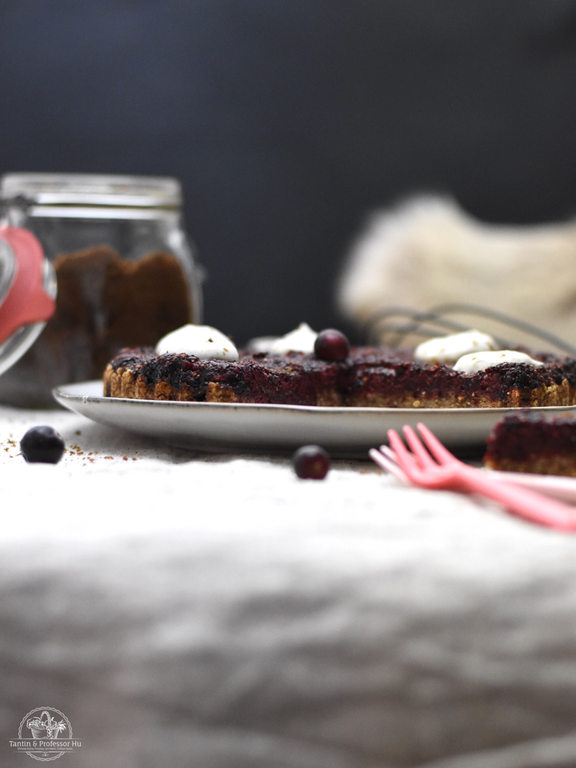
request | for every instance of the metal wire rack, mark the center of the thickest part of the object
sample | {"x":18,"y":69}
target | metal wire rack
{"x":392,"y":326}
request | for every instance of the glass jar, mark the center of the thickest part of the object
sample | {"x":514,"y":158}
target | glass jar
{"x":125,"y":272}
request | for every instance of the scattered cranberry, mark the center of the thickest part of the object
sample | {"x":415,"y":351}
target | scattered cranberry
{"x":331,"y":345}
{"x":42,"y":444}
{"x":311,"y":462}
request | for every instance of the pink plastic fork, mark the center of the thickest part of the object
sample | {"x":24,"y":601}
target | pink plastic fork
{"x":436,"y":468}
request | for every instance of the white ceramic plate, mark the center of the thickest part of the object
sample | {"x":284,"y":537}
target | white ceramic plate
{"x":278,"y":428}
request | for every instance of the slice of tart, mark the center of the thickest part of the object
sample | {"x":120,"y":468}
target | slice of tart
{"x":509,"y":385}
{"x":145,"y":375}
{"x":532,"y":442}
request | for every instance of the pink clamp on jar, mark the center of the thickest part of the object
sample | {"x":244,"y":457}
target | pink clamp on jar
{"x":27,"y":293}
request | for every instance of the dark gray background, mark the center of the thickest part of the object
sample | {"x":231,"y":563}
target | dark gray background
{"x":289,"y":120}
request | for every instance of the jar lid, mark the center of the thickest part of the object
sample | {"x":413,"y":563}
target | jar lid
{"x":92,"y":189}
{"x":27,"y":292}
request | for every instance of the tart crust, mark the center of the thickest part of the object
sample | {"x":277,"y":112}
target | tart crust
{"x":368,"y":378}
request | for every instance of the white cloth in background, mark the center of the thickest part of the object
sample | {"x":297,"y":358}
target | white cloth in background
{"x":427,"y":252}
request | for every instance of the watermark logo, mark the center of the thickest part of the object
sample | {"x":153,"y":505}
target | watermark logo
{"x":45,"y":734}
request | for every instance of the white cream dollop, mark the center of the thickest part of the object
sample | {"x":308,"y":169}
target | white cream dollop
{"x":203,"y":341}
{"x":448,"y":349}
{"x":479,"y":361}
{"x":299,"y":340}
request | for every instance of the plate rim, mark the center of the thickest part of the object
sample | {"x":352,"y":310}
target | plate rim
{"x":272,"y":428}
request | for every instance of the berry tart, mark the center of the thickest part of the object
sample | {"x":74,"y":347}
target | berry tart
{"x":198,"y":363}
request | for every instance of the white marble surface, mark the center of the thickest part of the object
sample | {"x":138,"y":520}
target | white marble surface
{"x":193,"y":610}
